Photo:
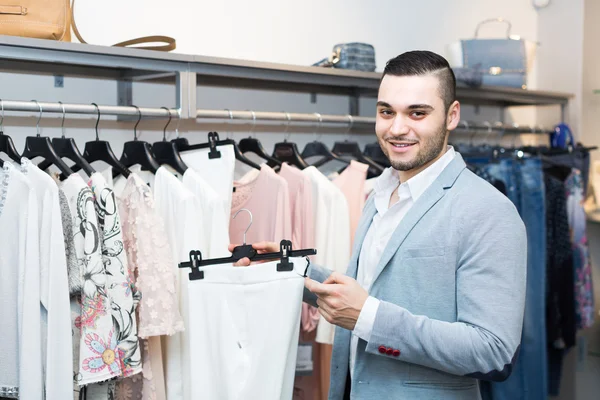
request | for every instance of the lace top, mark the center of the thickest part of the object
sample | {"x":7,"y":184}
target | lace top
{"x":150,"y":260}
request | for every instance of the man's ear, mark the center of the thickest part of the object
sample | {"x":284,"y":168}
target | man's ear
{"x":453,"y":117}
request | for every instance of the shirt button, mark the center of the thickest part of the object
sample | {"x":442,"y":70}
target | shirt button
{"x":396,"y":353}
{"x":382,"y":349}
{"x":389,"y":351}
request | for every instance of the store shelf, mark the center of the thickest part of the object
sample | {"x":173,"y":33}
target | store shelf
{"x":187,"y":71}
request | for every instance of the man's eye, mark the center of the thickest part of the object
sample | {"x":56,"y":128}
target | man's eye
{"x":418,"y":114}
{"x":386,"y":112}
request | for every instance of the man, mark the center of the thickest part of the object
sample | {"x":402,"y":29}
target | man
{"x":434,"y":294}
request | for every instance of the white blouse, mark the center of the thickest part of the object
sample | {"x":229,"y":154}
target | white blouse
{"x":20,"y":337}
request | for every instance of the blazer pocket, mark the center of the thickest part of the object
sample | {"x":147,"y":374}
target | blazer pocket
{"x":425,"y":252}
{"x":424,"y":377}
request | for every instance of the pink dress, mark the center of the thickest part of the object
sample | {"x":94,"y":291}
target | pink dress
{"x":352,"y":183}
{"x":303,"y":227}
{"x":266,"y":196}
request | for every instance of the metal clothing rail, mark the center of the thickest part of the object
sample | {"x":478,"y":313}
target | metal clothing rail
{"x":145,"y":112}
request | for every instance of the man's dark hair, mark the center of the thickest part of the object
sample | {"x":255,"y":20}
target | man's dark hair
{"x":414,"y":63}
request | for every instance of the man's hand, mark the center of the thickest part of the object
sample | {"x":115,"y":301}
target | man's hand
{"x":260,"y":247}
{"x":340,"y":299}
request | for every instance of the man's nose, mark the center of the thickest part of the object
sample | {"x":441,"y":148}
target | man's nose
{"x":399,"y":126}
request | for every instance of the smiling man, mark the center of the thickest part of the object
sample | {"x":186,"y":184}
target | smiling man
{"x":433,"y":298}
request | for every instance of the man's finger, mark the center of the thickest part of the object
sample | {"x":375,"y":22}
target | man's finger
{"x":232,"y":246}
{"x":317,"y":288}
{"x":242,"y":262}
{"x":265,"y":247}
{"x":336,"y":277}
{"x":326,"y":315}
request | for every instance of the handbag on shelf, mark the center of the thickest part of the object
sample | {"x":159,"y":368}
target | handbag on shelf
{"x":53,"y":20}
{"x":357,"y":56}
{"x":501,"y":62}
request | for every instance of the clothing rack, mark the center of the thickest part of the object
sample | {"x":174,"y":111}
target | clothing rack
{"x":149,"y":112}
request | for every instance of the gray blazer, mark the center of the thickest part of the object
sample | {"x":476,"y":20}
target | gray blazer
{"x":451,"y":282}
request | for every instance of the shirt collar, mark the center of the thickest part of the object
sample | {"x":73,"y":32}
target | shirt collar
{"x":388,"y":181}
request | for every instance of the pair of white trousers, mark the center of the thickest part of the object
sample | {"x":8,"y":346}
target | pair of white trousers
{"x":243,"y":330}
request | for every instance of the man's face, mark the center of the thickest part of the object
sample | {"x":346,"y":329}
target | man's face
{"x":411,"y":123}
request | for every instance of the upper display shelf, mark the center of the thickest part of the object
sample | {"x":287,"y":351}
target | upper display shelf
{"x":45,"y":56}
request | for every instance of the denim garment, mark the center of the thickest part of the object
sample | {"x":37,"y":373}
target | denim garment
{"x":524,"y":182}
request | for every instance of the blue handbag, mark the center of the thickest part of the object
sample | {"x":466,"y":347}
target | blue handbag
{"x":357,"y":56}
{"x":503,"y":62}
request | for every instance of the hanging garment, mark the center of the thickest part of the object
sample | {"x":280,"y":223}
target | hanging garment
{"x":57,"y":347}
{"x":123,"y":294}
{"x":524,"y":182}
{"x":151,"y":266}
{"x":95,"y":353}
{"x":179,"y":209}
{"x":69,"y":244}
{"x":332,"y":221}
{"x":20,"y":336}
{"x":584,"y":291}
{"x":245,"y":327}
{"x":560,"y":293}
{"x":266,"y":196}
{"x":217,"y":172}
{"x":215,"y":219}
{"x":303,"y":227}
{"x":352,"y":183}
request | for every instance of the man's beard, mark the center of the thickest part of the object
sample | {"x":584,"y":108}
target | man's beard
{"x":429,"y":150}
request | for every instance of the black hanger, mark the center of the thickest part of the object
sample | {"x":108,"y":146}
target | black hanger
{"x":100,"y":150}
{"x":66,"y":148}
{"x":166,"y":152}
{"x":374,"y":152}
{"x":7,"y":146}
{"x":352,"y":149}
{"x":139,"y":152}
{"x":288,"y":152}
{"x":38,"y":146}
{"x":253,"y":145}
{"x":316,"y":148}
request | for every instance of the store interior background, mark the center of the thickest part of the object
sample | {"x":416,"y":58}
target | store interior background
{"x":567,"y":60}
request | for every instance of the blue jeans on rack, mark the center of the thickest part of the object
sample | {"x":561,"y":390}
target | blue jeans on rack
{"x":524,"y":182}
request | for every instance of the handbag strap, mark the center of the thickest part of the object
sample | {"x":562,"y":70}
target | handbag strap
{"x":487,"y":21}
{"x":169,"y":42}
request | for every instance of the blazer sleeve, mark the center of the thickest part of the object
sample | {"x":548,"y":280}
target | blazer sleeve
{"x":490,"y":284}
{"x":318,"y":274}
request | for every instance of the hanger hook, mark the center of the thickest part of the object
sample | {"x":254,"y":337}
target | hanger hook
{"x":287,"y":126}
{"x":253,"y":123}
{"x":350,"y":125}
{"x":37,"y":124}
{"x":249,"y":225}
{"x":137,"y":123}
{"x":165,"y":128}
{"x":178,"y":122}
{"x":62,"y":124}
{"x":318,"y":128}
{"x":2,"y":120}
{"x":229,"y":133}
{"x":97,"y":120}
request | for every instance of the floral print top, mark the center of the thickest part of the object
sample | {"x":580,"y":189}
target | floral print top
{"x":120,"y":349}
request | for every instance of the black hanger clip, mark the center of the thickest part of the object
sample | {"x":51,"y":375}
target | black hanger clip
{"x":285,"y":247}
{"x":213,"y":138}
{"x":284,"y":254}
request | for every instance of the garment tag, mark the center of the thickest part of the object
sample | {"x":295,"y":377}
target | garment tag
{"x":304,"y":360}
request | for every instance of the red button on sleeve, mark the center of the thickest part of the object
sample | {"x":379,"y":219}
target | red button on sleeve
{"x":389,"y":351}
{"x":382,"y":349}
{"x":396,"y":353}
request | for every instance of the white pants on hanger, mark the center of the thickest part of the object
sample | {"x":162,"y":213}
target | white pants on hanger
{"x":243,"y":329}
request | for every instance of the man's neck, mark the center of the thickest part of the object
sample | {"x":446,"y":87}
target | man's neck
{"x":406,"y":175}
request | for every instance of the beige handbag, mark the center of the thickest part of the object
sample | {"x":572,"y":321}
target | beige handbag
{"x":40,"y":19}
{"x":53,"y":19}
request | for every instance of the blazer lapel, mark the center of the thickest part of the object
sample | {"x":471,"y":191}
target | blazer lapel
{"x":366,"y":218}
{"x":427,"y":200}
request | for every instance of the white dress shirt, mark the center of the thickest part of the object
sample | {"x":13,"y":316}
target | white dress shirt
{"x":385,"y":222}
